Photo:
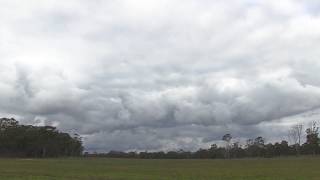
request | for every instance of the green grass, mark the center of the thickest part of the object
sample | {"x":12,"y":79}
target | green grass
{"x":307,"y":168}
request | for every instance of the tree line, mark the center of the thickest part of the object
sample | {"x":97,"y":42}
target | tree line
{"x":46,"y":141}
{"x":36,"y":141}
{"x":256,"y":147}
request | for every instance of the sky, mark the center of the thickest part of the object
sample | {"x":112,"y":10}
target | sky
{"x":161,"y":74}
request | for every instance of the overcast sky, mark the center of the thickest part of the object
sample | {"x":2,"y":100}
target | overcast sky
{"x":160,"y":74}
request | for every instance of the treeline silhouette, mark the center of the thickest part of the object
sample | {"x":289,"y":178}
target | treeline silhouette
{"x":256,"y":147}
{"x":46,"y":141}
{"x":36,"y":141}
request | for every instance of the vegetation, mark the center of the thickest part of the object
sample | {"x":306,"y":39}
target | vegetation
{"x":253,"y":148}
{"x":46,"y":141}
{"x":34,"y":141}
{"x":295,"y":168}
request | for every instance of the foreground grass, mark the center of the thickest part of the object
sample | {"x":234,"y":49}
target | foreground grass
{"x":303,"y":168}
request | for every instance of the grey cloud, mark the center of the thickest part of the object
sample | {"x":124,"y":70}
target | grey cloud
{"x":159,"y":74}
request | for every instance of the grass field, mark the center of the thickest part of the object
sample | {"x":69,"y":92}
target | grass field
{"x":307,"y":168}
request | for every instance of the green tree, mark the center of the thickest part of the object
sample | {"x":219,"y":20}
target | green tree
{"x":312,"y":137}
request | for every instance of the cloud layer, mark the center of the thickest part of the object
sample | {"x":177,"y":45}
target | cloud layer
{"x":159,"y":75}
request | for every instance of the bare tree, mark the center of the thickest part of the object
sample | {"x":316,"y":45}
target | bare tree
{"x":295,"y":134}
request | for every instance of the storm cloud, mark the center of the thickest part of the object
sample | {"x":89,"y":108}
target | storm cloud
{"x":160,"y":75}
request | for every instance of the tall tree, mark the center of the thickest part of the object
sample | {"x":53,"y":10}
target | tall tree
{"x":227,"y":138}
{"x":312,"y":137}
{"x":295,"y":135}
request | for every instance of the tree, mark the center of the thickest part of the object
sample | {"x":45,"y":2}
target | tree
{"x":7,"y":123}
{"x":312,"y":137}
{"x":258,"y":146}
{"x":36,"y":141}
{"x":295,"y":134}
{"x":284,"y":148}
{"x":259,"y":141}
{"x":227,"y":138}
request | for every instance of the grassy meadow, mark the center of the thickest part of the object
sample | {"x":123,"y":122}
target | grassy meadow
{"x":304,"y":168}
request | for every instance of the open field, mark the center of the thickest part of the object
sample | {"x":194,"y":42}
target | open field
{"x":307,"y":168}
